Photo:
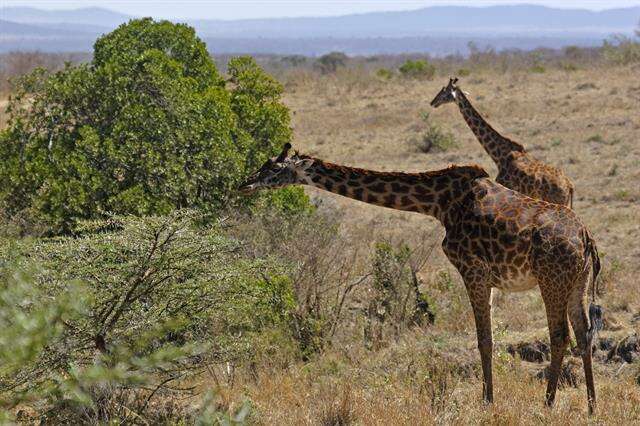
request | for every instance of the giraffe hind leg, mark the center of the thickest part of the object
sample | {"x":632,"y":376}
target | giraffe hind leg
{"x":584,"y":327}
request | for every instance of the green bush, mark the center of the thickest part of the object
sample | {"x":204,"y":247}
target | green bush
{"x":538,"y":69}
{"x":622,"y":50}
{"x":330,"y":62}
{"x":147,"y":127}
{"x":156,"y":292}
{"x":384,"y":74}
{"x":396,"y":301}
{"x":433,"y":138}
{"x":417,"y":69}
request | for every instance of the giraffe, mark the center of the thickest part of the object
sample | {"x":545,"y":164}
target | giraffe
{"x":517,"y":169}
{"x":495,"y":237}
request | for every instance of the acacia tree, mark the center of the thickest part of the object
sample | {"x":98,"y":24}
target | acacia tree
{"x":147,"y":126}
{"x":330,"y":62}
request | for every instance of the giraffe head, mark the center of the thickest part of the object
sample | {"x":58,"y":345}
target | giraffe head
{"x":447,"y":94}
{"x":278,"y":172}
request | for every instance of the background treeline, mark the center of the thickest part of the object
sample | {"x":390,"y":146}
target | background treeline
{"x":616,"y":50}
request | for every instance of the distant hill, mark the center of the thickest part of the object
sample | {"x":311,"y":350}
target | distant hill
{"x":85,"y":16}
{"x":515,"y":20}
{"x":435,"y":30}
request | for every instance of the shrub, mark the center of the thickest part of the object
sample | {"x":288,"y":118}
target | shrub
{"x":384,"y":73}
{"x":417,"y":69}
{"x":397,"y":301}
{"x":621,"y":50}
{"x":293,"y":60}
{"x":156,"y":292}
{"x":537,"y":69}
{"x":35,"y":329}
{"x":322,"y":268}
{"x":329,"y":63}
{"x":147,"y":127}
{"x":433,"y":138}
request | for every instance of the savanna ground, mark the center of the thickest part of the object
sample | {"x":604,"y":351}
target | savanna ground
{"x":585,"y":121}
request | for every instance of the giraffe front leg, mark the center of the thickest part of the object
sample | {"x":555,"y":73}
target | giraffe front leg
{"x":480,"y":297}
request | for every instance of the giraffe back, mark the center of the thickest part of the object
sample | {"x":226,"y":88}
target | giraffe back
{"x":529,"y":176}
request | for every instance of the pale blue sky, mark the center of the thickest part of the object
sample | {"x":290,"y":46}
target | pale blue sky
{"x":240,"y":9}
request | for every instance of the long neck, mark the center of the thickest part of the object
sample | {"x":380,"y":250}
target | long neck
{"x":430,"y":193}
{"x":497,"y":146}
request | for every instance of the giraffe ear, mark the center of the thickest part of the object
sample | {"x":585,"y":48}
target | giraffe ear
{"x":284,"y":153}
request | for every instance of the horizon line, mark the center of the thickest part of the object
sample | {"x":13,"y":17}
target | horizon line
{"x":467,"y":6}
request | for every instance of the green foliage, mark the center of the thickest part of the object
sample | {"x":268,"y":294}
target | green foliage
{"x":621,"y":50}
{"x":538,"y":69}
{"x":293,"y":60}
{"x":397,"y":301}
{"x":35,"y":329}
{"x":146,"y":128}
{"x":177,"y":42}
{"x":384,"y":74}
{"x":156,"y":293}
{"x":29,"y":321}
{"x":434,"y":137}
{"x":463,"y":72}
{"x":262,"y":119}
{"x":289,"y":201}
{"x":419,"y":68}
{"x":330,"y":62}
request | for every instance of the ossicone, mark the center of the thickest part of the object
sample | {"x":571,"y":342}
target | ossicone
{"x":284,"y":153}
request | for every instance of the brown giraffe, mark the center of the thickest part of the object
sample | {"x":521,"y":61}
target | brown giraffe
{"x":495,"y":237}
{"x":517,"y":169}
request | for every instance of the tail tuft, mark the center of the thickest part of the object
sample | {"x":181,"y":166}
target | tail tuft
{"x":595,"y":316}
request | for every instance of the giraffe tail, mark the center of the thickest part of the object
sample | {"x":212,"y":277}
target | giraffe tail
{"x":595,"y":311}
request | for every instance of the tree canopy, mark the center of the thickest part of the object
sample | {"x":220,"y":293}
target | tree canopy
{"x":148,"y":126}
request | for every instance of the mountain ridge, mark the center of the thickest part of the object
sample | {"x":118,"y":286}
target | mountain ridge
{"x":513,"y":22}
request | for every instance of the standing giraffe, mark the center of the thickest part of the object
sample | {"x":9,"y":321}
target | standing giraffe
{"x":517,"y":169}
{"x":495,"y":237}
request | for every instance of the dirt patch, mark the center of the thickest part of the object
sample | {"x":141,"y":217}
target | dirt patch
{"x":570,"y":374}
{"x":536,"y":351}
{"x":626,"y":350}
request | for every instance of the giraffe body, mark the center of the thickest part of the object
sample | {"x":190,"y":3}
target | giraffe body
{"x":517,"y":169}
{"x":495,"y":237}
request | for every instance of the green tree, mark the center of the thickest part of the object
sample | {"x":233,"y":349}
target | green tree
{"x":330,"y":62}
{"x":417,"y":69}
{"x":147,"y":127}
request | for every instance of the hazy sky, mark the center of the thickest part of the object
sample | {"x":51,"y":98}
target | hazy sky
{"x":216,"y":9}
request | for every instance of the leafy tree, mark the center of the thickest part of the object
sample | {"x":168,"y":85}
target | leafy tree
{"x":293,"y":60}
{"x":147,"y":127}
{"x":417,"y":69}
{"x":330,"y":62}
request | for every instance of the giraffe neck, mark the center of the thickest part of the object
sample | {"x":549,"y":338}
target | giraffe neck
{"x":497,"y":146}
{"x":430,"y":193}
